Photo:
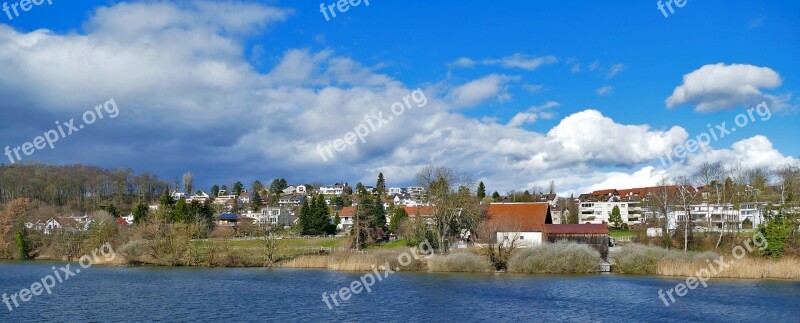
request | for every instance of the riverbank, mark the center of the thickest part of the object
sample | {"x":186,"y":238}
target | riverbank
{"x":545,"y":259}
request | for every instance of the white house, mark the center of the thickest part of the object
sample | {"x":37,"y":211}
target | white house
{"x":277,"y":216}
{"x":519,"y":222}
{"x":128,"y":218}
{"x":336,"y":189}
{"x":53,"y":224}
{"x":178,"y":195}
{"x":346,"y":216}
{"x":291,"y":189}
{"x":201,"y":197}
{"x":291,"y":200}
{"x":395,"y":190}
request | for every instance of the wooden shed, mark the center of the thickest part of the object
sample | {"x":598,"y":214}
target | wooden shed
{"x":594,"y":235}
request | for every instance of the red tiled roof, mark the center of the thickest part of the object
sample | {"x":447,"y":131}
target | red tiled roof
{"x":576,"y":228}
{"x":423,"y":211}
{"x":524,"y":217}
{"x":348,"y":211}
{"x":634,"y":192}
{"x":122,"y":222}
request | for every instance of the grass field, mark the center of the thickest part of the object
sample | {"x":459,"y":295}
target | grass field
{"x":389,"y":245}
{"x":622,"y":234}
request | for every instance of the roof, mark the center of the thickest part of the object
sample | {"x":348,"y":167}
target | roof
{"x":631,"y":193}
{"x":348,"y":211}
{"x":576,"y":228}
{"x":122,"y":222}
{"x":423,"y":211}
{"x":528,"y":217}
{"x":226,"y":216}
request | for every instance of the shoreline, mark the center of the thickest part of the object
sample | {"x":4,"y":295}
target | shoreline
{"x":283,"y":265}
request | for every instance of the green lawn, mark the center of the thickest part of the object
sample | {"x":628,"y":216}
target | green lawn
{"x":622,"y":233}
{"x":389,"y":245}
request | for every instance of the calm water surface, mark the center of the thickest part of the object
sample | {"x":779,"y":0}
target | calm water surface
{"x":110,"y":294}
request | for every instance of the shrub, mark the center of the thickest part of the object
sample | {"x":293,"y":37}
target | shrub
{"x":460,"y":262}
{"x":640,"y":259}
{"x":555,"y":258}
{"x":637,"y":259}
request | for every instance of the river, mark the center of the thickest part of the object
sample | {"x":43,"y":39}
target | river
{"x":123,"y":294}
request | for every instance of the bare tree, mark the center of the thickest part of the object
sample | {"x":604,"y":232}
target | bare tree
{"x":661,"y":199}
{"x":451,"y":203}
{"x":499,"y":240}
{"x":188,"y":182}
{"x":270,"y":243}
{"x":685,"y":195}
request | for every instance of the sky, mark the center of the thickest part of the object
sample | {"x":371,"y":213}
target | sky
{"x":589,"y":94}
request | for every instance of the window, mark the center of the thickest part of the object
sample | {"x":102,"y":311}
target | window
{"x":521,"y":237}
{"x":276,"y":212}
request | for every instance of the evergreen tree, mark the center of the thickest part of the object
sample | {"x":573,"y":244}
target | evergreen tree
{"x":574,"y":214}
{"x":481,"y":190}
{"x":257,"y":186}
{"x":22,"y":246}
{"x":283,"y":185}
{"x":336,"y":221}
{"x":166,"y":201}
{"x":215,"y":190}
{"x":380,"y":186}
{"x":775,"y":233}
{"x":275,"y":186}
{"x":255,"y":201}
{"x":180,"y":212}
{"x":360,"y":189}
{"x":324,"y":225}
{"x":496,"y":196}
{"x":399,"y":214}
{"x":378,"y":214}
{"x":338,"y":201}
{"x":615,"y":218}
{"x":305,"y":217}
{"x":140,"y":213}
{"x":238,"y":188}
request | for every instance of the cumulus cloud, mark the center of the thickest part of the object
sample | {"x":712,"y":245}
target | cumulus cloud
{"x":719,"y":86}
{"x":189,"y":99}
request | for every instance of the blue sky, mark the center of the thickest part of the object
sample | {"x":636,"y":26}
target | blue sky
{"x":246,"y":90}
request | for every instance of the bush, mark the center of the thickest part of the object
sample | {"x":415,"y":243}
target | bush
{"x":555,"y":258}
{"x":644,"y":260}
{"x":637,"y":259}
{"x":460,"y":262}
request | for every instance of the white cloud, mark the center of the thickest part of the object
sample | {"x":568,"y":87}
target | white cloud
{"x":477,"y":91}
{"x":615,"y":69}
{"x":605,"y":90}
{"x":719,"y":86}
{"x":522,"y":61}
{"x":187,"y":95}
{"x":464,"y":62}
{"x":517,"y":60}
{"x":644,"y":177}
{"x":533,"y":113}
{"x":533,"y":88}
